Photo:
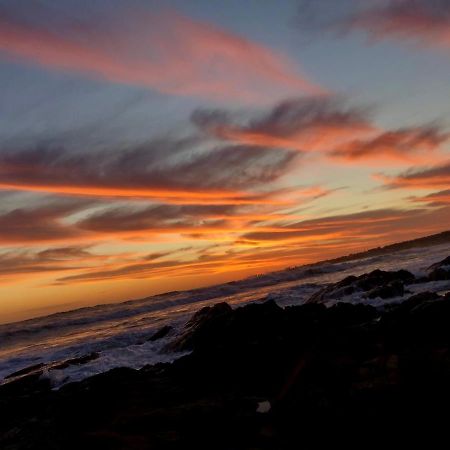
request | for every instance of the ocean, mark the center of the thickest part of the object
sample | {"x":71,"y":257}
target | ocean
{"x":120,"y":332}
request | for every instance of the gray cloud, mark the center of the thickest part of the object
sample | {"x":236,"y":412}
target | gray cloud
{"x":160,"y":164}
{"x":40,"y":223}
{"x":425,"y":22}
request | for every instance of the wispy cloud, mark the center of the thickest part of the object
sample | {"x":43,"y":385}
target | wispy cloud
{"x":198,"y":58}
{"x":421,"y":22}
{"x":41,"y":223}
{"x":366,"y":226}
{"x":328,"y":126}
{"x":435,"y":177}
{"x":407,"y":145}
{"x":163,"y":170}
{"x":305,"y":124}
{"x":287,"y":244}
{"x":440,"y":198}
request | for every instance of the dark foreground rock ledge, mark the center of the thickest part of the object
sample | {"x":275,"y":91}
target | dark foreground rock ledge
{"x":329,"y":375}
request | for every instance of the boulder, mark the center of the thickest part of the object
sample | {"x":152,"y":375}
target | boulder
{"x":199,"y":326}
{"x":378,"y":283}
{"x":26,"y":371}
{"x":161,"y":333}
{"x":392,"y":289}
{"x":440,"y":270}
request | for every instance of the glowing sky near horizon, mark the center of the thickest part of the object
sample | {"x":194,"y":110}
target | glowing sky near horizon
{"x":149,"y":145}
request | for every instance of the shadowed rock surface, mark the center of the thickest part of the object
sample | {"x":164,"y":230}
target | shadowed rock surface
{"x":378,"y":283}
{"x":440,"y":270}
{"x":329,"y":374}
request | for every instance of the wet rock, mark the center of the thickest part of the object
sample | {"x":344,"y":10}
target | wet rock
{"x":378,"y":283}
{"x":444,"y":263}
{"x":440,"y":271}
{"x":346,"y":314}
{"x":27,"y":384}
{"x":161,"y":333}
{"x":379,"y":278}
{"x":392,"y":289}
{"x":417,"y":299}
{"x":256,"y":377}
{"x":26,"y":371}
{"x":74,"y":361}
{"x":439,"y":274}
{"x":200,"y":325}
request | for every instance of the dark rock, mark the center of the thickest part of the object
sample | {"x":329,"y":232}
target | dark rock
{"x":444,"y":262}
{"x":328,"y":373}
{"x":26,"y":371}
{"x":345,"y":314}
{"x":161,"y":333}
{"x":439,"y":274}
{"x":438,"y":309}
{"x":26,"y":384}
{"x":378,"y":283}
{"x":75,"y":361}
{"x":418,"y":299}
{"x":379,"y":278}
{"x":392,"y":289}
{"x":201,"y":324}
{"x":439,"y":271}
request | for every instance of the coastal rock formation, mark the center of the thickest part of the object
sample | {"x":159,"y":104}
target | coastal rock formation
{"x":259,"y":377}
{"x":378,"y":283}
{"x":440,"y":270}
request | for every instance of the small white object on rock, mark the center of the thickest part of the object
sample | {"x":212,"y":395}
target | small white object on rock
{"x":263,"y":407}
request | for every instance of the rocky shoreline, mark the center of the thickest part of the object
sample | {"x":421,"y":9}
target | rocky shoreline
{"x":259,"y":376}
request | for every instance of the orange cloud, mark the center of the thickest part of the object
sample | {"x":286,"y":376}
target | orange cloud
{"x":408,"y":145}
{"x":197,"y":59}
{"x":435,"y":199}
{"x":365,"y":225}
{"x":327,"y":126}
{"x":186,"y":197}
{"x":303,"y":242}
{"x":42,"y":223}
{"x":306,"y":124}
{"x":221,"y":175}
{"x":249,"y":249}
{"x":437,"y":177}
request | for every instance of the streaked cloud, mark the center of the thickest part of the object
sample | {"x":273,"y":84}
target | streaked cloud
{"x":312,"y":123}
{"x":142,"y":49}
{"x":407,"y":145}
{"x":40,"y":223}
{"x":301,"y":241}
{"x":162,"y":170}
{"x":328,"y":126}
{"x":421,"y":22}
{"x":435,"y":177}
{"x":368,"y":226}
{"x":439,"y":198}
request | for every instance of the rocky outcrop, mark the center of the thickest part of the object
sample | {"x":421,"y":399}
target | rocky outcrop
{"x":202,"y":324}
{"x":35,"y":375}
{"x":161,"y":333}
{"x":440,"y":271}
{"x":259,"y":377}
{"x":378,"y":283}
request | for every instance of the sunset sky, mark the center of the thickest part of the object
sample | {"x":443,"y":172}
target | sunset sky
{"x":149,"y":146}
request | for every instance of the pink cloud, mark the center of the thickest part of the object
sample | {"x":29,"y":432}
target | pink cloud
{"x":198,"y":59}
{"x":435,"y":177}
{"x":423,"y":22}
